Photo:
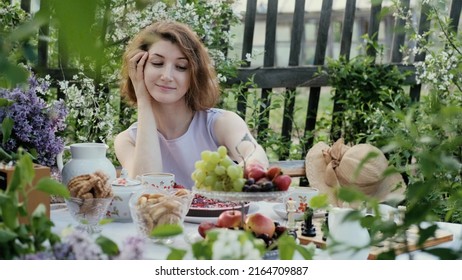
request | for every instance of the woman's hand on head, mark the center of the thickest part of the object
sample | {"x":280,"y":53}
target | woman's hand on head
{"x":136,"y":73}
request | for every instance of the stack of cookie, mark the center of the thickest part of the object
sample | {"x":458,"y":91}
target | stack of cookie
{"x":155,"y":209}
{"x":89,"y":189}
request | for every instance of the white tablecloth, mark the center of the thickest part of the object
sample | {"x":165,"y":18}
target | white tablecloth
{"x":118,"y":232}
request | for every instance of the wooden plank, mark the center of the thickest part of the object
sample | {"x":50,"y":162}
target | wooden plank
{"x":441,"y":236}
{"x":247,"y":46}
{"x":25,"y":5}
{"x":268,"y":61}
{"x":293,"y":168}
{"x":297,"y":76}
{"x":319,"y":57}
{"x":374,"y":24}
{"x":345,"y":49}
{"x":347,"y":30}
{"x":298,"y":29}
{"x":297,"y":32}
{"x":270,"y":33}
{"x":454,"y":14}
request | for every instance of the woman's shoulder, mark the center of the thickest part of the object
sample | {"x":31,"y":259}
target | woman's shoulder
{"x":214,"y":111}
{"x":131,"y":130}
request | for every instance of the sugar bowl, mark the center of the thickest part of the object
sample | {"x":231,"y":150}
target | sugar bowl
{"x":123,"y":189}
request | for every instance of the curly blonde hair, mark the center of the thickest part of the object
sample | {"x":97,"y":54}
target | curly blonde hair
{"x":204,"y":90}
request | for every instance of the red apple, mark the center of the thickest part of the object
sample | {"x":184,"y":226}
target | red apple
{"x":273,"y":172}
{"x":230,"y":219}
{"x":259,"y":224}
{"x":282,"y":182}
{"x":256,"y":168}
{"x":256,"y":173}
{"x":204,"y":227}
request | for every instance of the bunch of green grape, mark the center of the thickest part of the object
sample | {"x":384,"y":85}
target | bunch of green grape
{"x":215,"y":171}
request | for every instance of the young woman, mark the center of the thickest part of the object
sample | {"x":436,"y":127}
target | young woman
{"x":168,"y":75}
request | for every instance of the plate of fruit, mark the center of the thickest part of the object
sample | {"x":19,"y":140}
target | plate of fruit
{"x":258,"y":224}
{"x":216,"y":176}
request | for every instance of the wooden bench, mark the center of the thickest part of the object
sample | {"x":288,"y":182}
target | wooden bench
{"x":293,"y":168}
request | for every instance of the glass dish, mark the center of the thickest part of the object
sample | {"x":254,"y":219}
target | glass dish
{"x":88,"y":212}
{"x":153,"y":207}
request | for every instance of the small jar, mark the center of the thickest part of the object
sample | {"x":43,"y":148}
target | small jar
{"x":123,"y":189}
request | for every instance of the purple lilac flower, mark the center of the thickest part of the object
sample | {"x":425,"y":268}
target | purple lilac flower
{"x":36,"y":123}
{"x":132,"y":249}
{"x":84,"y":247}
{"x":63,"y":251}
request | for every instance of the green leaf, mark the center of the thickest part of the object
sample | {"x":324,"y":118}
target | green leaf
{"x":105,"y":221}
{"x":10,"y":214}
{"x":23,"y":173}
{"x":286,"y":247}
{"x":39,"y":211}
{"x":53,"y":187}
{"x":108,"y":246}
{"x":5,"y":102}
{"x":27,"y":168}
{"x":176,"y":254}
{"x":319,"y":201}
{"x":28,"y":29}
{"x":167,"y":230}
{"x":307,"y":252}
{"x":13,"y":74}
{"x":202,"y":250}
{"x":4,"y":155}
{"x":7,"y":235}
{"x":4,"y":198}
{"x":7,"y":127}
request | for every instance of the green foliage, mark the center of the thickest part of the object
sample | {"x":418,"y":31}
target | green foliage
{"x":368,"y":95}
{"x":13,"y":50}
{"x":18,"y":239}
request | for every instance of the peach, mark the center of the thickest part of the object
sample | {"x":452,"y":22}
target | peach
{"x":259,"y":224}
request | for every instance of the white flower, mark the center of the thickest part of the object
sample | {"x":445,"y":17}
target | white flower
{"x":235,"y":245}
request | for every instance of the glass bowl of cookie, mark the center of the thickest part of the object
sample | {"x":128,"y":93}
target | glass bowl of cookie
{"x":90,"y":196}
{"x":152,"y":208}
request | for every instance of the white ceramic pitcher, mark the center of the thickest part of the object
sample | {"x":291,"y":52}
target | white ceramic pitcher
{"x":346,"y":236}
{"x":86,"y":158}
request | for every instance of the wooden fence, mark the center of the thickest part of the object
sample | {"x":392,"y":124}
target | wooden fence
{"x":299,"y":74}
{"x":294,"y":75}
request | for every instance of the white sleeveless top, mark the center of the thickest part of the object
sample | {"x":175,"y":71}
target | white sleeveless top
{"x":179,"y":155}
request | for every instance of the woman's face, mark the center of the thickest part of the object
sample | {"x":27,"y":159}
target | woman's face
{"x":167,"y":72}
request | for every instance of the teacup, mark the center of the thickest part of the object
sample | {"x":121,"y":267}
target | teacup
{"x":123,"y":189}
{"x":158,"y":180}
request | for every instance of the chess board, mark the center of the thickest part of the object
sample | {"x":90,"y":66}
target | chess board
{"x":441,"y":236}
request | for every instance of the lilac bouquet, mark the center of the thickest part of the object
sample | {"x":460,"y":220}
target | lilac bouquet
{"x":29,"y":122}
{"x":76,"y":245}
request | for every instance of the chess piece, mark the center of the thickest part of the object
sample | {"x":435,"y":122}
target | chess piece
{"x":308,"y":228}
{"x":291,"y":208}
{"x":325,"y":226}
